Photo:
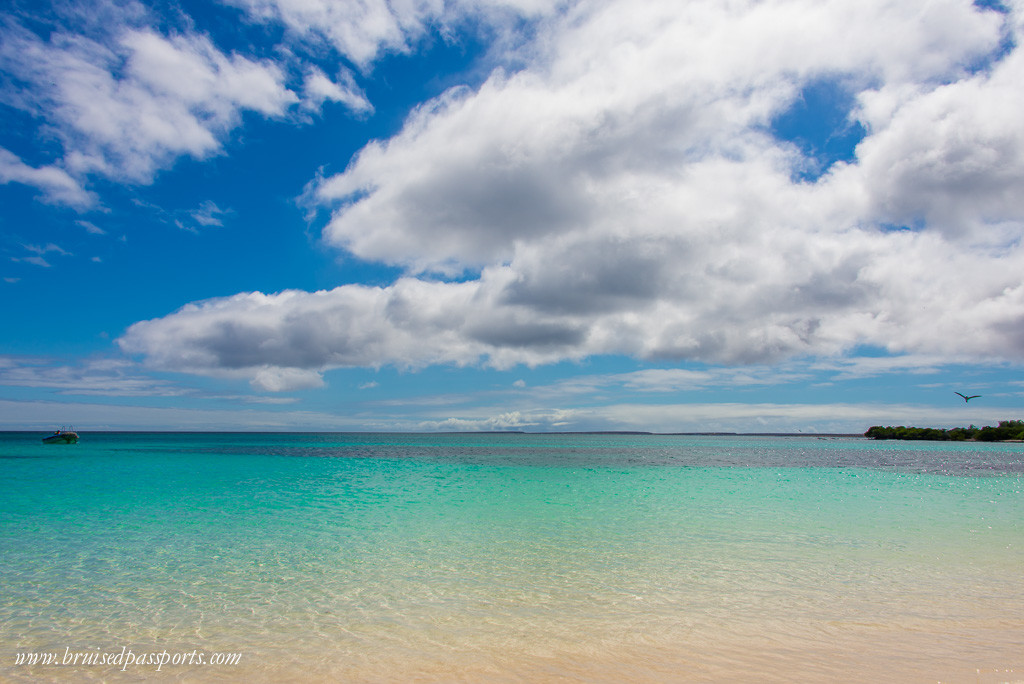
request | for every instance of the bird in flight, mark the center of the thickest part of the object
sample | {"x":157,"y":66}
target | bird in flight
{"x":968,"y":398}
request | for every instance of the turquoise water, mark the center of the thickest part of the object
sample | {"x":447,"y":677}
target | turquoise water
{"x":508,"y":557}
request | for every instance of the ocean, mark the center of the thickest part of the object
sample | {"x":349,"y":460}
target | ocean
{"x":213,"y":557}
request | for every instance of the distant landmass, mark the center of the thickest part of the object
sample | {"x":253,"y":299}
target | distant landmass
{"x":1007,"y":431}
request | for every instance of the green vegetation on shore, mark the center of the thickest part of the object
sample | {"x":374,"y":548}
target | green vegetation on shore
{"x":1007,"y":430}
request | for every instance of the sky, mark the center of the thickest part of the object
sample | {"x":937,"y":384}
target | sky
{"x":430,"y":215}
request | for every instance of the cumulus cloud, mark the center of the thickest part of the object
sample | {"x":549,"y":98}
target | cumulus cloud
{"x":363,"y":30}
{"x":623,"y":194}
{"x":359,"y":30}
{"x":127,"y":93}
{"x":278,"y":339}
{"x":415,"y":323}
{"x":130,"y":107}
{"x":951,"y":159}
{"x":628,"y":101}
{"x":125,"y":100}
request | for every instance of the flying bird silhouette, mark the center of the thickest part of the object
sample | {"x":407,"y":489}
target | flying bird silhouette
{"x":968,"y":398}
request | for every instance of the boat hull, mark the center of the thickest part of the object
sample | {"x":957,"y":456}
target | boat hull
{"x":62,"y":438}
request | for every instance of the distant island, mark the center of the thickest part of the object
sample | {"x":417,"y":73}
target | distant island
{"x":1008,"y":430}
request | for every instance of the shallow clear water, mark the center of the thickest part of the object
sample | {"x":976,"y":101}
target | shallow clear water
{"x":373,"y":557}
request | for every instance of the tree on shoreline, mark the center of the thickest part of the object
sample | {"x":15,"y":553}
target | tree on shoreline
{"x":1007,"y":429}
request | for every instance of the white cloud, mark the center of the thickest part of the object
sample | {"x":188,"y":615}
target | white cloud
{"x":622,"y":194}
{"x":679,"y":380}
{"x":276,"y":379}
{"x":363,"y":30}
{"x":870,"y":366}
{"x":39,"y":253}
{"x":507,"y":421}
{"x":34,"y":260}
{"x":129,"y":102}
{"x":807,"y":310}
{"x":42,"y":415}
{"x":208,"y":214}
{"x":56,"y":184}
{"x":359,"y":30}
{"x":91,"y":228}
{"x":626,"y":104}
{"x":98,"y":377}
{"x":779,"y":417}
{"x":726,"y":417}
{"x":177,"y":97}
{"x":410,"y":323}
{"x":318,"y":88}
{"x":844,"y":418}
{"x":44,"y":249}
{"x":951,"y":158}
{"x":126,"y":99}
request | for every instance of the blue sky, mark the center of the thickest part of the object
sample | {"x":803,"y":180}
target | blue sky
{"x":511,"y":214}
